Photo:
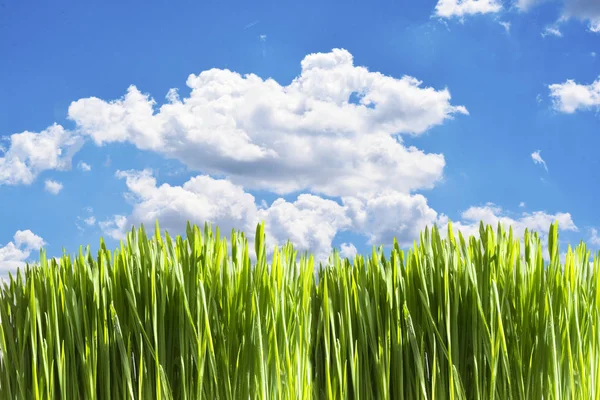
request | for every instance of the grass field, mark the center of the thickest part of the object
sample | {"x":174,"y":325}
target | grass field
{"x":179,"y":318}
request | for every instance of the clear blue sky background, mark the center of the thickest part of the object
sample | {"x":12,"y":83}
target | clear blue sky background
{"x":54,"y":53}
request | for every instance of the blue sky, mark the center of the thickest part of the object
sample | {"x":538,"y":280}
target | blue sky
{"x":341,"y":124}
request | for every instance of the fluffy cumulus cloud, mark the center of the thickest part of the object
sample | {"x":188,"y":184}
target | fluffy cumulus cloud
{"x":348,"y":250}
{"x":571,"y":96}
{"x":53,"y":187}
{"x":263,"y":135}
{"x":15,"y":253}
{"x":258,"y":134}
{"x":30,"y":153}
{"x":389,"y":215}
{"x":461,"y":8}
{"x":310,"y":222}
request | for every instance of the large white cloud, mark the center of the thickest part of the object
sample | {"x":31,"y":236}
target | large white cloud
{"x":571,"y":96}
{"x":31,"y":153}
{"x":309,"y":134}
{"x":310,"y":222}
{"x":14,"y":254}
{"x":461,"y":8}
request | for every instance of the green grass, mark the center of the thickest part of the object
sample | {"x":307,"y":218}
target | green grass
{"x":179,"y":318}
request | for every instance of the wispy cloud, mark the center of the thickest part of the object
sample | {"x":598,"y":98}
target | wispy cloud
{"x":84,"y":166}
{"x":537,"y":158}
{"x":505,"y":25}
{"x":551,"y":30}
{"x":251,"y":24}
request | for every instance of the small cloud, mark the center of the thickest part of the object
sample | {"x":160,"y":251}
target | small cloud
{"x":593,"y":54}
{"x":462,"y":8}
{"x":251,"y":24}
{"x":537,"y":158}
{"x":505,"y":25}
{"x":53,"y":187}
{"x":107,"y":162}
{"x":89,"y":209}
{"x":522,"y":204}
{"x":570,"y":96}
{"x":538,"y":98}
{"x":114,"y":227}
{"x":551,"y":30}
{"x":594,"y":238}
{"x":348,"y":250}
{"x":263,"y":38}
{"x":90,"y":220}
{"x":84,"y":166}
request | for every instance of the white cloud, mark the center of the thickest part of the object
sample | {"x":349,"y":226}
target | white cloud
{"x":115,"y":227}
{"x":84,"y":166}
{"x":594,"y":239}
{"x":491,"y":214}
{"x":461,"y":8}
{"x":90,"y":220}
{"x":551,"y":30}
{"x":570,"y":96}
{"x":537,"y":159}
{"x":310,"y":222}
{"x":348,"y":250}
{"x":28,"y":240}
{"x":15,"y":254}
{"x":31,"y":153}
{"x":505,"y":25}
{"x":263,"y":38}
{"x":388,"y":215}
{"x":279,"y":138}
{"x":522,"y":204}
{"x":53,"y":187}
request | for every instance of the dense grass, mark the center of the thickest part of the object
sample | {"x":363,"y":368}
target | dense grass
{"x":181,"y":319}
